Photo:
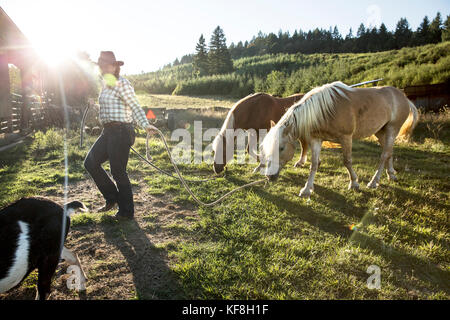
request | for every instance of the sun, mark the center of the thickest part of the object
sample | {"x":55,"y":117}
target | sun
{"x":53,"y":53}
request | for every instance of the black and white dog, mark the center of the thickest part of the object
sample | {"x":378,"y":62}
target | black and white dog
{"x":30,"y":238}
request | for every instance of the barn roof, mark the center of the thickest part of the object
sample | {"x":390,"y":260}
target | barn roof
{"x":11,"y":37}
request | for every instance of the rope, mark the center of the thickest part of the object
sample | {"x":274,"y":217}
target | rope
{"x":179,"y":176}
{"x":148,"y":161}
{"x":147,"y":153}
{"x":83,"y":120}
{"x":183,"y":181}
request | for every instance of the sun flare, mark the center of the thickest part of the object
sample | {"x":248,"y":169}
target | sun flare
{"x":53,"y":54}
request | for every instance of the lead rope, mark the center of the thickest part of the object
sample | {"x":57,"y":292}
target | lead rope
{"x":148,"y":157}
{"x":183,"y":181}
{"x":180,"y":177}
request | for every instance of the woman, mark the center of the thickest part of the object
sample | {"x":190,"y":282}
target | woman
{"x":118,"y":109}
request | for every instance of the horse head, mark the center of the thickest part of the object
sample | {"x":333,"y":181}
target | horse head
{"x":277,"y":149}
{"x":220,"y":146}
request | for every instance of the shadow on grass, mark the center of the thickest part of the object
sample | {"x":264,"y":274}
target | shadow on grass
{"x":407,"y":264}
{"x":152,"y":277}
{"x":305,"y":212}
{"x":404,"y":263}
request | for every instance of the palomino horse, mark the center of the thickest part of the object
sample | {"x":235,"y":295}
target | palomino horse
{"x":252,"y":112}
{"x":338,"y":113}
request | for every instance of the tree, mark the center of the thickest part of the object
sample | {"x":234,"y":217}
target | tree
{"x":361,"y":39}
{"x":372,"y":39}
{"x":273,"y":43}
{"x":219,"y":58}
{"x":361,"y":31}
{"x":403,"y":34}
{"x":200,"y":62}
{"x":349,"y":42}
{"x":436,"y":29}
{"x":336,"y":40}
{"x":349,"y":35}
{"x":446,"y":30}
{"x":422,"y":35}
{"x":385,"y":38}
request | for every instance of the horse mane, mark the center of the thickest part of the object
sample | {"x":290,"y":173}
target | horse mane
{"x":314,"y":109}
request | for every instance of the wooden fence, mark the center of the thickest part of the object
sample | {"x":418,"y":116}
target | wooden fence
{"x":431,"y":97}
{"x":33,"y":113}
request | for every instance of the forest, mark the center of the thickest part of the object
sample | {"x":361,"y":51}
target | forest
{"x":283,"y":64}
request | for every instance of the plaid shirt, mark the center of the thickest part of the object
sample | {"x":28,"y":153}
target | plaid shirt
{"x":120,"y":104}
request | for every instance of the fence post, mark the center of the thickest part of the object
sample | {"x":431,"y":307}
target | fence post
{"x":5,"y":88}
{"x":25,"y":113}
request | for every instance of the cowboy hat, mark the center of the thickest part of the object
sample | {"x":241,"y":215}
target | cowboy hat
{"x":108,"y":57}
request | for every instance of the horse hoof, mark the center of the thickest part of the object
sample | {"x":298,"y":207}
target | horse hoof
{"x":299,"y":164}
{"x":393,"y":178}
{"x":304,"y":193}
{"x":372,"y":185}
{"x":354,"y":186}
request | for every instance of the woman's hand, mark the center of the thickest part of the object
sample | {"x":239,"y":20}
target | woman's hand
{"x":151,"y":130}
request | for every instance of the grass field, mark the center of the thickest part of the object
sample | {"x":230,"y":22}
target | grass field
{"x":182,"y":102}
{"x":261,"y":243}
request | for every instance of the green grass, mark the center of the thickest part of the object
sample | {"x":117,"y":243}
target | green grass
{"x":37,"y":165}
{"x":267,"y":243}
{"x":182,"y":102}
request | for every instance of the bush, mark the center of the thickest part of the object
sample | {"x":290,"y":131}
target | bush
{"x":286,"y":74}
{"x":45,"y":142}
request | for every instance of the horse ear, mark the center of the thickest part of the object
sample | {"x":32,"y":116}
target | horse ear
{"x":272,"y":123}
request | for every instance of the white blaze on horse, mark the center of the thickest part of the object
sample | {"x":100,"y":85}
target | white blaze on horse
{"x":338,"y":113}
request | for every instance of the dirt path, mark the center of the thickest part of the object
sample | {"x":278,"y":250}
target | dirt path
{"x":122,"y":260}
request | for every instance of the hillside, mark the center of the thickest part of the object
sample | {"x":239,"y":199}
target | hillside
{"x":286,"y":74}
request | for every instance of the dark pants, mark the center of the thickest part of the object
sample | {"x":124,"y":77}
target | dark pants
{"x":114,"y":145}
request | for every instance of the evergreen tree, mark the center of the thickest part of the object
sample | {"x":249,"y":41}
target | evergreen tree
{"x":385,"y":38}
{"x":238,"y":51}
{"x":200,"y":62}
{"x":349,"y":35}
{"x":446,"y":30}
{"x":361,"y":31}
{"x":349,"y":42}
{"x":273,"y":43}
{"x":403,"y":34}
{"x":336,"y":40}
{"x":372,"y":40}
{"x":219,"y":58}
{"x":422,"y":35}
{"x":361,"y":39}
{"x":436,"y":29}
{"x":188,"y":58}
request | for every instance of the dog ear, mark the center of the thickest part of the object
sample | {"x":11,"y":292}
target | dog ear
{"x":272,"y":123}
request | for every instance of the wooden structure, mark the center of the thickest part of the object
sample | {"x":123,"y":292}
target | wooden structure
{"x":431,"y":97}
{"x":25,"y":108}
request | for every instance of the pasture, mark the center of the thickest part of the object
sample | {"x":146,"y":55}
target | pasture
{"x":261,"y":243}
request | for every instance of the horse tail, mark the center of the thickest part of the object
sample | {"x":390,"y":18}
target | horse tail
{"x":410,"y":123}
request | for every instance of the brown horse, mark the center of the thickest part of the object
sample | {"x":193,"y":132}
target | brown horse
{"x":338,"y":113}
{"x":256,"y":112}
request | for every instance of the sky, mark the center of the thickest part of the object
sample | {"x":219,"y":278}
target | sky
{"x":147,"y":35}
